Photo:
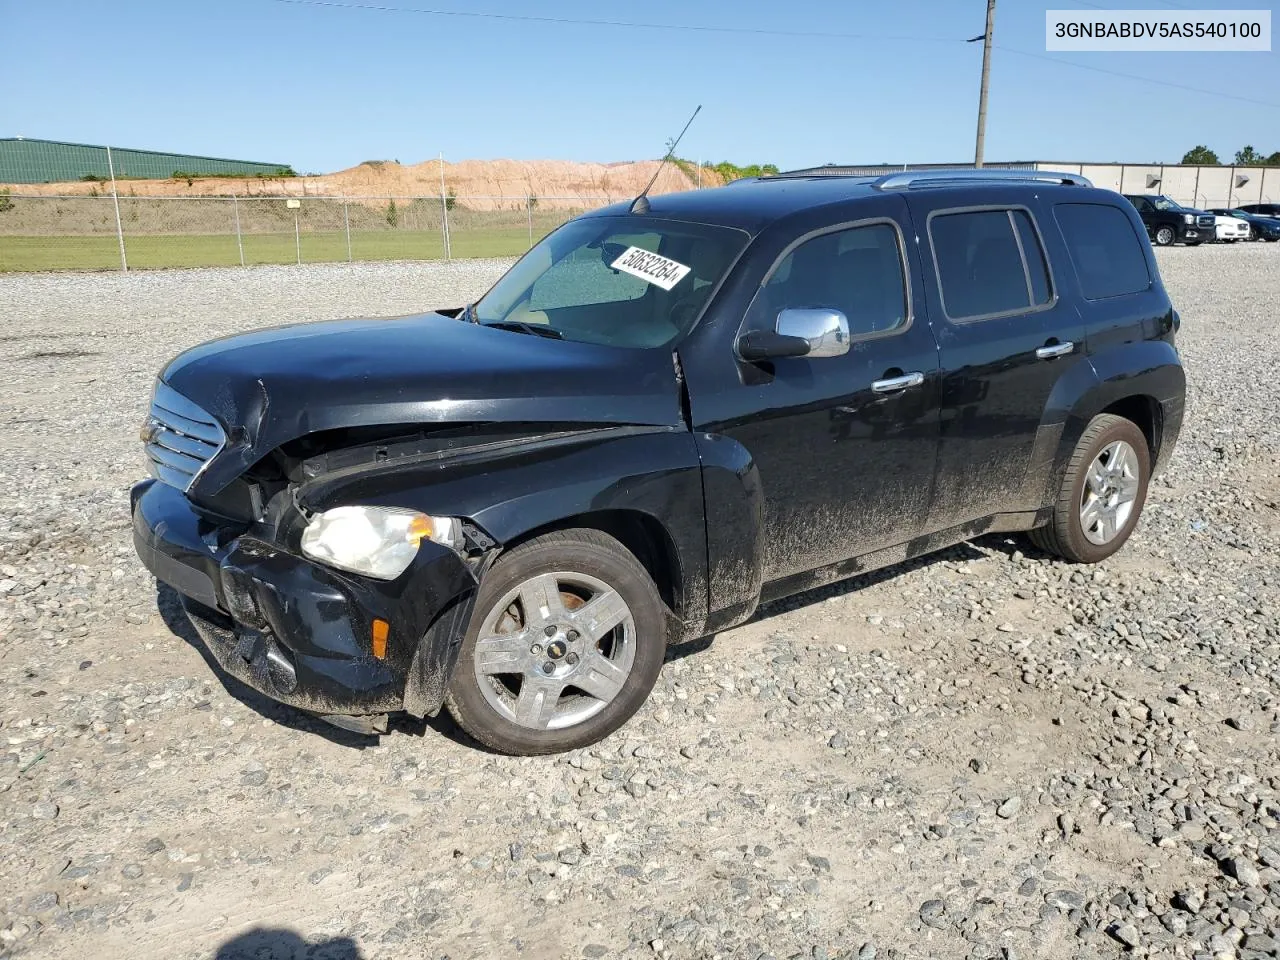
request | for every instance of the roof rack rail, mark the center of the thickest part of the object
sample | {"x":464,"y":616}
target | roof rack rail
{"x":935,"y":178}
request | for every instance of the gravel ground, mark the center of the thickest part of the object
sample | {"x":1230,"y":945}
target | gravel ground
{"x":987,"y":753}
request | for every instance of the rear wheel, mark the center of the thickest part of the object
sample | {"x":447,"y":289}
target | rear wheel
{"x":1164,"y":236}
{"x":566,"y":641}
{"x":1102,"y":492}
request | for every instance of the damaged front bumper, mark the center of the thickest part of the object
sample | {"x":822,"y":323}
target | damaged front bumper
{"x":298,"y":631}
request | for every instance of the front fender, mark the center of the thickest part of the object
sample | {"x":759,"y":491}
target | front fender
{"x":735,"y":530}
{"x":522,"y":487}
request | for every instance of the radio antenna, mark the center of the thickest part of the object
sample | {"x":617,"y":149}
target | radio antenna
{"x":641,"y":203}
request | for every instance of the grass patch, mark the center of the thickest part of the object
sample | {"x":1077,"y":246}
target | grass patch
{"x":102,"y":252}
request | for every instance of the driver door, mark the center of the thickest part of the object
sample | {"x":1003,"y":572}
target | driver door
{"x":845,"y":445}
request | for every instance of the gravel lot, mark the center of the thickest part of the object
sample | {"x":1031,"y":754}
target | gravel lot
{"x":988,"y":753}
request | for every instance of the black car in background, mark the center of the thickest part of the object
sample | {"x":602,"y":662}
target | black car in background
{"x":1263,"y":227}
{"x":666,"y":413}
{"x":1262,"y":209}
{"x":1168,"y":222}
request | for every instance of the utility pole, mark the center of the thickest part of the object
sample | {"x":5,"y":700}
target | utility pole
{"x":986,"y":76}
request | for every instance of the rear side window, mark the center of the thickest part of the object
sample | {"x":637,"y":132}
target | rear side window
{"x":857,"y":271}
{"x":1105,"y":250}
{"x":990,"y":263}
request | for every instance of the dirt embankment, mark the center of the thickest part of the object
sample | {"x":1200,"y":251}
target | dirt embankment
{"x":481,"y":184}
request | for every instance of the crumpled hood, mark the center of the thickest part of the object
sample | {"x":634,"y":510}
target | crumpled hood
{"x":272,"y":386}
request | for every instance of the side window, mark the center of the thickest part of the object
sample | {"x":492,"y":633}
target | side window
{"x":990,"y":262}
{"x":583,"y":279}
{"x":858,"y":271}
{"x":1104,"y":249}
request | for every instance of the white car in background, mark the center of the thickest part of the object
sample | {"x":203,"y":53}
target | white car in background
{"x":1230,"y":229}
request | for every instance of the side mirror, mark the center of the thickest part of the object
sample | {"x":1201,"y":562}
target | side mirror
{"x":799,"y":332}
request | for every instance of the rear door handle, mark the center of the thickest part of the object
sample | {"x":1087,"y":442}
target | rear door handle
{"x":1051,"y":350}
{"x":894,"y":384}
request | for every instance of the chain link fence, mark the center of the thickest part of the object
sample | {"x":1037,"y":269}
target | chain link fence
{"x":127,"y":233}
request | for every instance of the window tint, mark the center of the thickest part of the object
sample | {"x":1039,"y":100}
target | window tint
{"x":980,"y":263}
{"x":857,"y":271}
{"x":1104,"y":249}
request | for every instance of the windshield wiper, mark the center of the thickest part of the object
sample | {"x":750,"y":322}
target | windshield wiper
{"x":519,"y":326}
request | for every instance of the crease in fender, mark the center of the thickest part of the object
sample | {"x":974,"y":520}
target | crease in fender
{"x":485,"y":451}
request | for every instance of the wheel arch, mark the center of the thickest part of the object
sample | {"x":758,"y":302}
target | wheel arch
{"x":643,"y":535}
{"x":1151,"y":398}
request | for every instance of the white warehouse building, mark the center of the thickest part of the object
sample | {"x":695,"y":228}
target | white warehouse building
{"x":1193,"y":185}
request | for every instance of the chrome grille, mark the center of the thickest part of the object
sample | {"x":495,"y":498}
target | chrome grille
{"x":180,"y":438}
{"x":1206,"y":222}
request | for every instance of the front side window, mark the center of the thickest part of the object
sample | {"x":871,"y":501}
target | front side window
{"x":990,"y":263}
{"x":627,"y":281}
{"x":1105,"y":250}
{"x":857,"y":271}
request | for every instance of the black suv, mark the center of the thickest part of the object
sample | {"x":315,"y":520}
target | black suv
{"x":666,"y":413}
{"x":1168,"y":222}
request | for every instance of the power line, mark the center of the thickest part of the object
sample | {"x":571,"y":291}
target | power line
{"x":634,"y":24}
{"x":762,"y":32}
{"x":1135,"y":76}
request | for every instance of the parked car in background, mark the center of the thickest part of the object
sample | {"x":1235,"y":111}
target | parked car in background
{"x":1261,"y":227}
{"x":1168,"y":222}
{"x":666,"y":413}
{"x":1262,"y":209}
{"x":1229,"y":228}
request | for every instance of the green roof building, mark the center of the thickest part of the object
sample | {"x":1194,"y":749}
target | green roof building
{"x":49,"y":161}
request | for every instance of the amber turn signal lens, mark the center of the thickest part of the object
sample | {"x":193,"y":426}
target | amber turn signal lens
{"x":420,"y":529}
{"x":380,"y":630}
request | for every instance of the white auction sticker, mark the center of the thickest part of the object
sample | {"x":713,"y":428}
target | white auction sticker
{"x":653,"y":267}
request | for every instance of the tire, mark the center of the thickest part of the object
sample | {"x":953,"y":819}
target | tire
{"x":1068,"y":534}
{"x":1164,"y":236}
{"x":502,"y":692}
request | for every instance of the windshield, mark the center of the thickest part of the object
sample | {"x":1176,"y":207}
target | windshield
{"x":627,"y":281}
{"x":1164,"y":203}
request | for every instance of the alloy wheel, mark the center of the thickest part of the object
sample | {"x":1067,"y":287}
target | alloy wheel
{"x":1110,"y":489}
{"x":555,"y":650}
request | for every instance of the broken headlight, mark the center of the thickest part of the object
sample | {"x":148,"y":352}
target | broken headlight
{"x":377,"y":541}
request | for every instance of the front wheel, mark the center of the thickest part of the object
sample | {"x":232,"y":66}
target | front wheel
{"x":1102,"y":492}
{"x":566,"y":641}
{"x":1165,"y":236}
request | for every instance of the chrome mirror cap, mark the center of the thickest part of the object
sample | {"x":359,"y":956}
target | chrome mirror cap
{"x":827,"y":331}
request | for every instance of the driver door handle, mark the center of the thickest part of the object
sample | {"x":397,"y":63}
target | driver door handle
{"x":1051,"y":350}
{"x":894,"y":384}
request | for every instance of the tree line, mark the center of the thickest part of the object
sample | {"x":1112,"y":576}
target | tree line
{"x":1246,"y":157}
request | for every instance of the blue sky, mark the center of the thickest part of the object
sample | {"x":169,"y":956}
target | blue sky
{"x":323,"y":88}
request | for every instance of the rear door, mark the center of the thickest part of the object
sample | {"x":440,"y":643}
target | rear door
{"x":1005,"y":337}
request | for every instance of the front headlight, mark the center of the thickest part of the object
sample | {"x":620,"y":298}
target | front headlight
{"x":1188,"y":218}
{"x":378,"y":541}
